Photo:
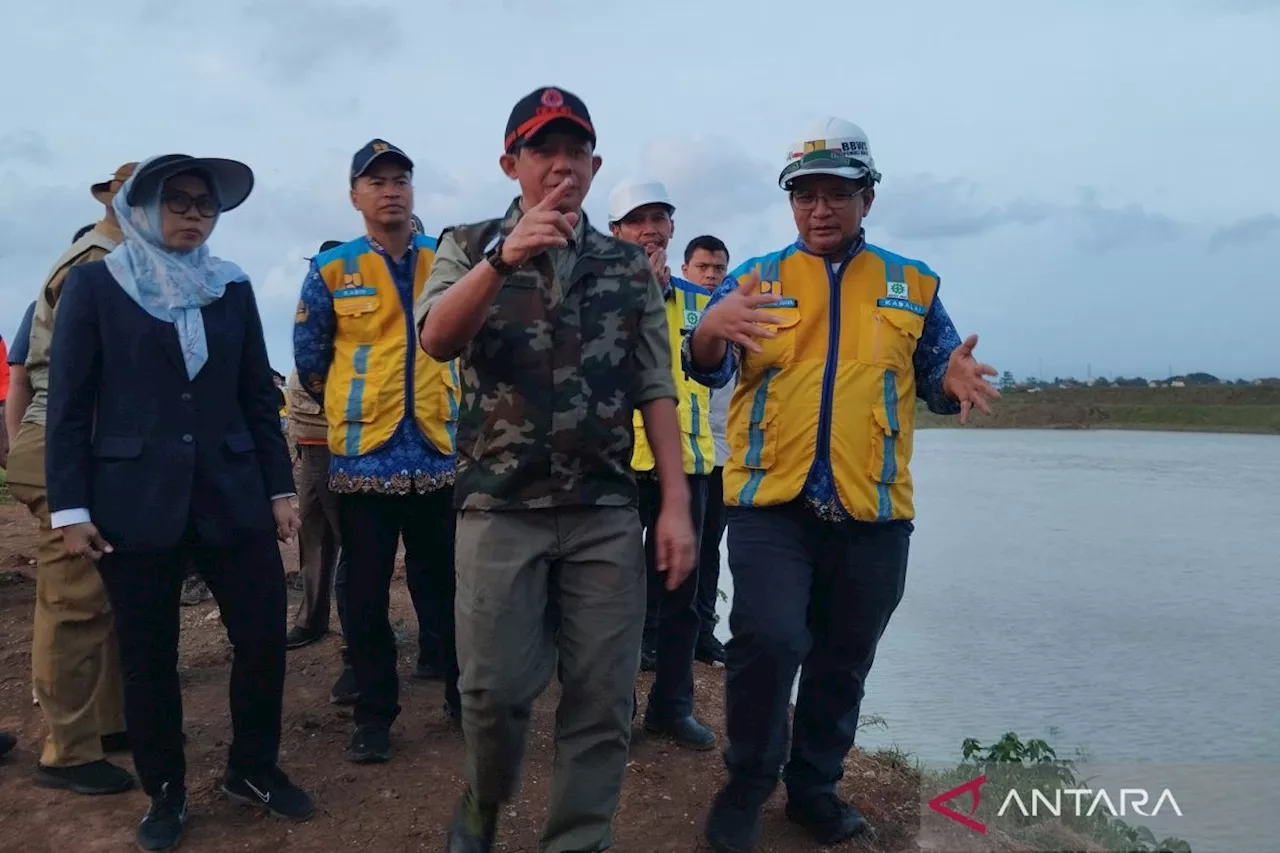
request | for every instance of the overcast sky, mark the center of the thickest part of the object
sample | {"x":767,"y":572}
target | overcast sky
{"x":1096,"y":181}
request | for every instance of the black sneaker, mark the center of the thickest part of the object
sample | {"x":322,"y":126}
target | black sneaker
{"x":96,"y":777}
{"x":473,"y":827}
{"x":828,"y":818}
{"x":270,"y":790}
{"x":161,"y":827}
{"x":7,"y":743}
{"x":733,"y":823}
{"x":709,"y":650}
{"x":371,"y":744}
{"x":299,"y":637}
{"x":344,"y":690}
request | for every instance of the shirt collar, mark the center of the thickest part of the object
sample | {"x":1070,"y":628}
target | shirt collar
{"x":378,"y":247}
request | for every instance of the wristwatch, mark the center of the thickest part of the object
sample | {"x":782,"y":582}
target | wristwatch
{"x":494,"y":257}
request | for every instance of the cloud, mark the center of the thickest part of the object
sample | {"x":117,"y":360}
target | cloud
{"x":924,"y":207}
{"x":1103,"y":229}
{"x":37,"y":221}
{"x":26,"y":147}
{"x":710,"y":176}
{"x":1239,"y":6}
{"x":1249,"y":230}
{"x":712,"y":180}
{"x":297,"y":37}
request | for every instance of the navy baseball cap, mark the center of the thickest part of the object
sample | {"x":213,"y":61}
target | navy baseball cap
{"x":368,"y":155}
{"x":541,"y":107}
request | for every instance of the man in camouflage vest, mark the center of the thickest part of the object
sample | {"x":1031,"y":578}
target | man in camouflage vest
{"x":75,"y":661}
{"x":560,"y":334}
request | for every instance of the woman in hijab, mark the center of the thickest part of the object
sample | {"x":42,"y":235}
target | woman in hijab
{"x":165,"y":448}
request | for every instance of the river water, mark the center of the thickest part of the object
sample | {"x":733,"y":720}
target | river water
{"x":1116,"y":593}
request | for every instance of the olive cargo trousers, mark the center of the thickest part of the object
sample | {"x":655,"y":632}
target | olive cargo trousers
{"x":75,"y":660}
{"x":523,"y":574}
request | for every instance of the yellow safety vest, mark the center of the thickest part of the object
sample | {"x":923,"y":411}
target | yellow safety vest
{"x":684,"y":306}
{"x":837,"y":381}
{"x":365,"y":395}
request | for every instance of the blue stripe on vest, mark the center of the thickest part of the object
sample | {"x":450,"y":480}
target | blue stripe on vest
{"x":355,"y":399}
{"x":452,"y":426}
{"x":755,"y":440}
{"x":889,"y":466}
{"x":690,"y":302}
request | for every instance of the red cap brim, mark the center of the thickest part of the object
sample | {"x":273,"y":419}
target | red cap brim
{"x":531,"y":127}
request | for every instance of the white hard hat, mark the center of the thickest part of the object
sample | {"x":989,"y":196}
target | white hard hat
{"x":831,"y":146}
{"x":636,"y":192}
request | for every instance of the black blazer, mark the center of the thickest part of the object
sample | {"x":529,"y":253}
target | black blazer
{"x":143,"y":448}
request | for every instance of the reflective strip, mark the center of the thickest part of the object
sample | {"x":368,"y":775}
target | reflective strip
{"x":755,"y":439}
{"x":699,"y":461}
{"x":893,"y":270}
{"x":889,"y":466}
{"x":689,"y":300}
{"x":355,"y":399}
{"x":452,"y":426}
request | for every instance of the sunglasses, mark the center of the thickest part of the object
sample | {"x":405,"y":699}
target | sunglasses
{"x":180,"y":202}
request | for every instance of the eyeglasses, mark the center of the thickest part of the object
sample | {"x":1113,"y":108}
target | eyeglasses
{"x":839,"y":200}
{"x":180,"y":202}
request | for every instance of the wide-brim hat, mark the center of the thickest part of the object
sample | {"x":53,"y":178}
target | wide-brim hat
{"x":233,"y":180}
{"x":105,"y":191}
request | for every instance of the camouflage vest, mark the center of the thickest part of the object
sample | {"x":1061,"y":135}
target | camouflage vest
{"x":548,"y":382}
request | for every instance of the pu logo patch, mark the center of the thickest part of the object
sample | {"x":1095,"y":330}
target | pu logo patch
{"x":690,"y":318}
{"x":773,"y":288}
{"x":897,"y":290}
{"x":815,"y":145}
{"x":352,"y":279}
{"x":379,"y":147}
{"x":552,"y":98}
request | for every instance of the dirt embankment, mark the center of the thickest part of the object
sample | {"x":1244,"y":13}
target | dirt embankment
{"x":1209,"y":408}
{"x":400,"y":806}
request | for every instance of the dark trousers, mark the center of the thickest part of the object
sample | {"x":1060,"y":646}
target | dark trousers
{"x":675,"y":618}
{"x":247,"y":581}
{"x":812,"y":596}
{"x":713,"y":525}
{"x":372,"y":526}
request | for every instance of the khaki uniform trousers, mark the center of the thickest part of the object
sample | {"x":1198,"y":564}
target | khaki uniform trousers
{"x":75,"y":662}
{"x":539,"y":591}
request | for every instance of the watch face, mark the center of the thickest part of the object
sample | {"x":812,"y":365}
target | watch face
{"x":493,"y":243}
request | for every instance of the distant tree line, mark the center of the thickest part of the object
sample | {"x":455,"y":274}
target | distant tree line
{"x":1007,"y":381}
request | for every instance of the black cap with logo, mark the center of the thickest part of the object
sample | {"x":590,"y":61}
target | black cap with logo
{"x":371,"y":153}
{"x":541,"y":107}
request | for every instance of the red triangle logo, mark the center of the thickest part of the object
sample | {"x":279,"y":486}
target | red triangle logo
{"x":972,"y":787}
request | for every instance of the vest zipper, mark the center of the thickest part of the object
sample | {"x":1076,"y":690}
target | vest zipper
{"x":410,"y":362}
{"x":834,"y":277}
